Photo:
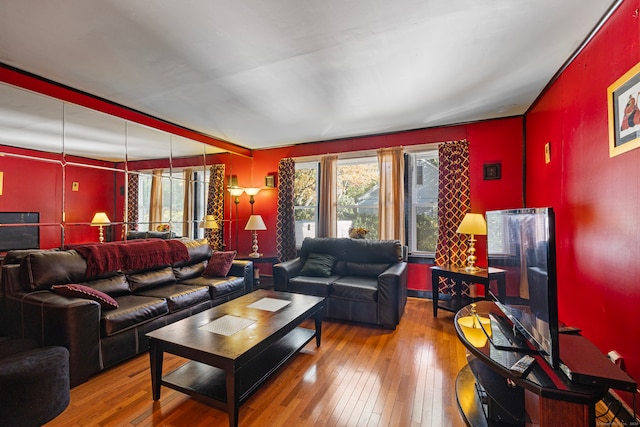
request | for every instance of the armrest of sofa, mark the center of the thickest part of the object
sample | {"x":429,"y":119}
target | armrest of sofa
{"x":284,"y":271}
{"x":52,"y":319}
{"x":392,"y":294}
{"x":243,"y":268}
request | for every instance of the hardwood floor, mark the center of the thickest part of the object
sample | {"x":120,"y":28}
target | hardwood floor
{"x":360,"y":376}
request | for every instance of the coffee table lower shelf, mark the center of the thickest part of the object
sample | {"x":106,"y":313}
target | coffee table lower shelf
{"x":208,"y":383}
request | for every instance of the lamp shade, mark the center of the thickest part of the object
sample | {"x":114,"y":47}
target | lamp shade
{"x":210,"y":222}
{"x":252,"y":191}
{"x":473,"y":223}
{"x":255,"y":223}
{"x":236,"y":191}
{"x":100,"y":218}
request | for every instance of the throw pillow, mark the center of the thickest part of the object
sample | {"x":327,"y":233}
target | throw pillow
{"x":219,"y":264}
{"x":81,"y":291}
{"x":318,"y":265}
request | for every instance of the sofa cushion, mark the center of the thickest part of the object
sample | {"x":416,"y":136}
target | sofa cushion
{"x":150,"y":279}
{"x":81,"y":291}
{"x":40,"y":270}
{"x":133,"y":310}
{"x":219,"y":264}
{"x":178,"y":296}
{"x":309,"y":285}
{"x":325,"y":245}
{"x":218,"y":286}
{"x":374,"y":251}
{"x":188,"y":271}
{"x":199,"y":250}
{"x":355,"y":288}
{"x":318,"y":265}
{"x":114,"y":285}
{"x":361,"y":269}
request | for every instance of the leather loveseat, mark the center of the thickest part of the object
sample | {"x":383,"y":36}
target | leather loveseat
{"x":362,"y":280}
{"x":97,"y":334}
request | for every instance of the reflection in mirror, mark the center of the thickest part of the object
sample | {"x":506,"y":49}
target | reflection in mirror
{"x":147,"y":144}
{"x":67,"y":163}
{"x":30,"y":120}
{"x":32,"y":184}
{"x":93,"y":135}
{"x":82,"y":183}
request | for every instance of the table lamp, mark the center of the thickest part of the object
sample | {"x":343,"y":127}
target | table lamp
{"x":255,"y":223}
{"x":472,"y":224}
{"x":100,"y":219}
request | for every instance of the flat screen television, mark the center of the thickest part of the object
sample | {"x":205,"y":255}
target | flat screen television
{"x":522,"y":241}
{"x":14,"y":235}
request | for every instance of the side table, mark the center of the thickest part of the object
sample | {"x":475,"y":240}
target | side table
{"x":459,"y":275}
{"x":262,"y":259}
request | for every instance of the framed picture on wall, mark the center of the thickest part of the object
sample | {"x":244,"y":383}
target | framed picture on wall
{"x":624,"y":112}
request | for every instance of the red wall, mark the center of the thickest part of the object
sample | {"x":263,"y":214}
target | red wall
{"x":596,"y":198}
{"x":493,"y":141}
{"x":36,"y":186}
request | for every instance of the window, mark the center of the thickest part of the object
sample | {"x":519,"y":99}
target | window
{"x":305,"y":196}
{"x":422,"y":201}
{"x":358,"y":190}
{"x":173,"y":190}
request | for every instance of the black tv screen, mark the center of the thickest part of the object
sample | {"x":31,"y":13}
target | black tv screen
{"x":14,"y":235}
{"x":522,"y":241}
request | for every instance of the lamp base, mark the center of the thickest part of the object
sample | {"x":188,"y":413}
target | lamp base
{"x":472,"y":269}
{"x":254,"y":248}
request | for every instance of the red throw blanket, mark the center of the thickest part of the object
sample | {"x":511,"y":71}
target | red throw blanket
{"x":131,"y":255}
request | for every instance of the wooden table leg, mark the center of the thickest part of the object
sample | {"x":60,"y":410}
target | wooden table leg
{"x":232,"y":399}
{"x":435,"y":278}
{"x":318,"y":318}
{"x":155,"y":356}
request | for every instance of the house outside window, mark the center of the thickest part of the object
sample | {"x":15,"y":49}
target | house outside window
{"x":422,"y":201}
{"x":305,"y":196}
{"x":358,"y":182}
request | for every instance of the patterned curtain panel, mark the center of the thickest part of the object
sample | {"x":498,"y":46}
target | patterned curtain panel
{"x":215,"y":206}
{"x":453,"y":203}
{"x":391,"y":196}
{"x":285,"y":220}
{"x":131,"y":208}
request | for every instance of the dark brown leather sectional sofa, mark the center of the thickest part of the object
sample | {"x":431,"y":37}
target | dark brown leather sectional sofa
{"x":98,"y":338}
{"x":366,"y":282}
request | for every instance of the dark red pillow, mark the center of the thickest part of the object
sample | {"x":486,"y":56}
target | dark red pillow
{"x":81,"y":291}
{"x":219,"y":264}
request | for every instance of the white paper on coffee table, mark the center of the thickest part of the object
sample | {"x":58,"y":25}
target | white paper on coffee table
{"x":270,"y":304}
{"x":228,"y":325}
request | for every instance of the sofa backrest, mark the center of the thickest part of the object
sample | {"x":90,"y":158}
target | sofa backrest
{"x":324,"y":245}
{"x":43,"y":268}
{"x":361,"y":251}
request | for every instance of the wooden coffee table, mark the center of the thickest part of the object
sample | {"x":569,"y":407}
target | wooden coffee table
{"x":234,"y":347}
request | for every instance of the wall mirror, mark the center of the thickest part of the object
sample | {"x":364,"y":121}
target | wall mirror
{"x":61,"y":163}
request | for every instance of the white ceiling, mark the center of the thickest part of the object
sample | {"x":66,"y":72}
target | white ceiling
{"x":270,"y":73}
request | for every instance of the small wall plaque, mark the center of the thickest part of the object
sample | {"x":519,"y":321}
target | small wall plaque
{"x":270,"y":181}
{"x":491,"y":171}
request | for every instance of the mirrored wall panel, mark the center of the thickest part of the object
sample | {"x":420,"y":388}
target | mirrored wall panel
{"x":71,"y":175}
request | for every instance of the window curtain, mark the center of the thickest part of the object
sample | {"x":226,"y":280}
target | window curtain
{"x":215,"y":206}
{"x":155,"y":207}
{"x":391,"y":196}
{"x":285,"y":218}
{"x":328,"y":204}
{"x":453,"y":203}
{"x":187,"y":210}
{"x":131,"y":213}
